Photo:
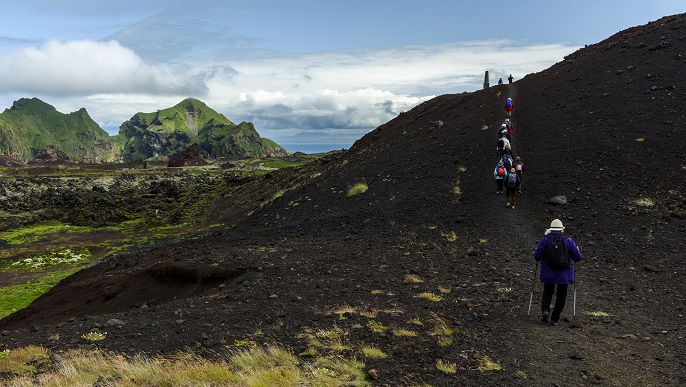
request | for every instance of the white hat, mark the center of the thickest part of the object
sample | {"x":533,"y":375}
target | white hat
{"x":556,"y":225}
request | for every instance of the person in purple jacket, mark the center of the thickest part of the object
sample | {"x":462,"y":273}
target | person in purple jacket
{"x":552,"y":278}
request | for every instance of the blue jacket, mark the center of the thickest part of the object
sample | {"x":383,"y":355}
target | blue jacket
{"x":495,"y":172}
{"x":553,"y":276}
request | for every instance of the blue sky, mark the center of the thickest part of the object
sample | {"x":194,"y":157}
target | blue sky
{"x":289,"y":66}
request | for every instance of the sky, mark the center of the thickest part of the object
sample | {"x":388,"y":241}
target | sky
{"x":301,"y":70}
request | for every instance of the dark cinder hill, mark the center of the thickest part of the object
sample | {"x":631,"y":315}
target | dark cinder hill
{"x":300,"y":256}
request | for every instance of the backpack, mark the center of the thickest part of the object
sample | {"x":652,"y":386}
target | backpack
{"x":511,"y":180}
{"x":507,"y":160}
{"x":508,"y":103}
{"x":501,"y":144}
{"x":501,"y":171}
{"x":556,"y":254}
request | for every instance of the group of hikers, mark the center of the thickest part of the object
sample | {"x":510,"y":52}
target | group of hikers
{"x":508,"y":172}
{"x":555,"y":252}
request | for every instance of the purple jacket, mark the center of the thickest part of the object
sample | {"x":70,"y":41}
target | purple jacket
{"x":553,"y":276}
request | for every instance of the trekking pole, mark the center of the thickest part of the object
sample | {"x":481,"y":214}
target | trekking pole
{"x":574,"y":304}
{"x":533,"y":284}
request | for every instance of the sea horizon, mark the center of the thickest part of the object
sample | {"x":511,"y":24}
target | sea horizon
{"x":319,"y":147}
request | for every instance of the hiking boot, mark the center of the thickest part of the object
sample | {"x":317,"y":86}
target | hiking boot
{"x":513,"y":206}
{"x":507,"y":204}
{"x":554,"y":322}
{"x":545,"y":317}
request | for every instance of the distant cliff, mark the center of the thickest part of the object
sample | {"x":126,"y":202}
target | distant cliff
{"x":30,"y":127}
{"x":172,"y":130}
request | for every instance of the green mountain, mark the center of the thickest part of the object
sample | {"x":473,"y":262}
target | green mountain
{"x":31,"y":127}
{"x":172,"y":130}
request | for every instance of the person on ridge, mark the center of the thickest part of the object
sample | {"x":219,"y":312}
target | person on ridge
{"x":506,"y":158}
{"x":519,"y":167}
{"x":500,"y":81}
{"x":509,"y":126}
{"x":552,"y":278}
{"x":503,"y":146}
{"x":499,"y":173}
{"x":510,"y":78}
{"x":509,"y":105}
{"x":511,"y":184}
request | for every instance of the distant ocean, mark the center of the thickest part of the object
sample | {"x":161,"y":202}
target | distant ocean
{"x":315,"y":147}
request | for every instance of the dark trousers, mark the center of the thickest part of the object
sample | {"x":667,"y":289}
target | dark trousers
{"x":548,"y":291}
{"x":510,"y":196}
{"x":499,"y":185}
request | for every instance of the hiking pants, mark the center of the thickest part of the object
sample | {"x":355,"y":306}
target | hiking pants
{"x":510,"y":195}
{"x":548,"y":291}
{"x":499,"y":185}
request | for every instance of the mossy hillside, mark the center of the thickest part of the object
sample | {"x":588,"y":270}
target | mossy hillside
{"x":172,"y":130}
{"x":31,"y":126}
{"x":234,"y":141}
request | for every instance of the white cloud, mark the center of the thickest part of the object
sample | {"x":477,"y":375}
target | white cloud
{"x":87,"y":67}
{"x":333,"y":92}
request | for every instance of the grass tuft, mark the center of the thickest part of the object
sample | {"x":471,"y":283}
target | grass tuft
{"x":448,"y":368}
{"x":404,"y":333}
{"x":357,"y":188}
{"x":430,"y":296}
{"x":373,"y":353}
{"x":644,"y":202}
{"x":598,"y":314}
{"x":486,"y":364}
{"x":413,"y":278}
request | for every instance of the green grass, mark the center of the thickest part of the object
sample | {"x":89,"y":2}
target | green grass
{"x":373,"y":353}
{"x":444,"y":366}
{"x":644,"y":202}
{"x":487,"y":364}
{"x":598,"y":314}
{"x":357,"y":188}
{"x":270,"y":366}
{"x":40,"y":231}
{"x":15,"y":297}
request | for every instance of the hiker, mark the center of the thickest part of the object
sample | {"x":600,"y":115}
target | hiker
{"x":509,"y":126}
{"x":509,"y":105}
{"x":499,"y":173}
{"x":519,"y":167}
{"x":511,"y":184}
{"x":500,"y":146}
{"x":500,"y":81}
{"x":503,"y":129}
{"x":510,"y":78}
{"x":506,"y":158}
{"x":503,"y":145}
{"x":507,"y":145}
{"x":555,"y":277}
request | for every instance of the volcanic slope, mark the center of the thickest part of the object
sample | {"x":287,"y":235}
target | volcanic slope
{"x":430,"y":248}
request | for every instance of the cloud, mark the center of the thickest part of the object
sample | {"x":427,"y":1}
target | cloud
{"x":332,"y":92}
{"x":365,"y":88}
{"x":87,"y":67}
